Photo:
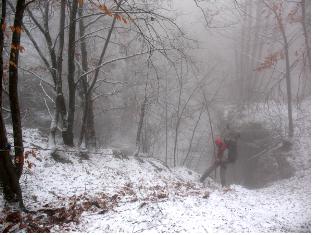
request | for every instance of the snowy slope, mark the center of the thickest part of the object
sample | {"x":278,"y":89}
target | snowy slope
{"x":128,"y":195}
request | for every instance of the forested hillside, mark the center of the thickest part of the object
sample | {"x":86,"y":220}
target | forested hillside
{"x":165,"y":116}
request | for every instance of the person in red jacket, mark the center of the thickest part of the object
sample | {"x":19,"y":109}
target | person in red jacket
{"x":219,"y":161}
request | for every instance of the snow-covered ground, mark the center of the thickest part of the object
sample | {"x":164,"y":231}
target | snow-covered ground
{"x":128,"y":195}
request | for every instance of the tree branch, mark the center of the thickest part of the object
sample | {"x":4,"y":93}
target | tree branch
{"x":110,"y":62}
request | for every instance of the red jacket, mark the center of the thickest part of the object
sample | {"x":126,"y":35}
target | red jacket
{"x":221,"y":147}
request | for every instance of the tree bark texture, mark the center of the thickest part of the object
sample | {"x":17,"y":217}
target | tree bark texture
{"x":305,"y":33}
{"x":13,"y":89}
{"x":87,"y":129}
{"x":68,"y":136}
{"x":8,"y":176}
{"x":140,"y":124}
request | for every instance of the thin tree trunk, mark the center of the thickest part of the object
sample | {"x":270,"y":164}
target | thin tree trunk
{"x":140,"y":124}
{"x":243,"y":59}
{"x":84,"y":82}
{"x":307,"y":40}
{"x":245,"y":91}
{"x":61,"y":46}
{"x":2,"y":28}
{"x":178,"y":116}
{"x":258,"y":79}
{"x":235,"y":93}
{"x":145,"y":137}
{"x":255,"y":45}
{"x":193,"y":134}
{"x":91,"y":131}
{"x":68,"y":134}
{"x":53,"y":129}
{"x":287,"y":63}
{"x":49,"y":39}
{"x":87,"y":134}
{"x":60,"y":101}
{"x":288,"y":79}
{"x":104,"y":50}
{"x":288,"y":83}
{"x":83,"y":130}
{"x":176,"y":133}
{"x":90,"y":88}
{"x":305,"y":33}
{"x":211,"y":127}
{"x":13,"y":90}
{"x":88,"y":129}
{"x":60,"y":108}
{"x":166,"y":124}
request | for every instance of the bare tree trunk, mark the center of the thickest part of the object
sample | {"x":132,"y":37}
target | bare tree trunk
{"x":140,"y":124}
{"x":305,"y":33}
{"x":237,"y":78}
{"x":60,"y":108}
{"x":255,"y":46}
{"x":84,"y":82}
{"x":307,"y":40}
{"x":61,"y":47}
{"x":279,"y":20}
{"x":82,"y":136}
{"x":193,"y":134}
{"x":247,"y":64}
{"x":88,"y":129}
{"x":2,"y":28}
{"x":56,"y":64}
{"x":288,"y":83}
{"x":145,"y":137}
{"x":211,"y":127}
{"x":13,"y":90}
{"x":88,"y":134}
{"x":88,"y":98}
{"x":166,"y":124}
{"x":68,"y":134}
{"x":258,"y":79}
{"x":104,"y":50}
{"x":178,"y":118}
{"x":91,"y":131}
{"x":288,"y":79}
{"x":60,"y":101}
{"x":9,"y":177}
{"x":243,"y":59}
{"x":4,"y":155}
{"x":53,"y":129}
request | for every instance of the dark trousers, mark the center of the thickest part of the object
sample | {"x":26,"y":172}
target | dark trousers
{"x":212,"y":168}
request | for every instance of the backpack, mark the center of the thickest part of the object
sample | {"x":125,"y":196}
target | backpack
{"x":232,"y":150}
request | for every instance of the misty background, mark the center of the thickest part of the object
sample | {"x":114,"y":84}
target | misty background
{"x":223,"y":61}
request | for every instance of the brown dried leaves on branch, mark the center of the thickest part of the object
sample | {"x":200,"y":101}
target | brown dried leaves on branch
{"x":270,"y":60}
{"x":106,"y":10}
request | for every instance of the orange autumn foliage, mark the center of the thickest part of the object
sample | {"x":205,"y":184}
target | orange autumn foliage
{"x":270,"y":60}
{"x":103,"y":8}
{"x":16,"y":29}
